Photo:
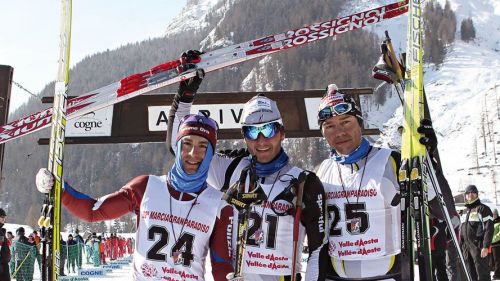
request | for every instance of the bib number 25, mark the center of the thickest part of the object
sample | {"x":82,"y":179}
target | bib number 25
{"x":356,"y":219}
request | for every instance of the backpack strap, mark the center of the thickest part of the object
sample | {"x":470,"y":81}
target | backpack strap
{"x":229,"y":172}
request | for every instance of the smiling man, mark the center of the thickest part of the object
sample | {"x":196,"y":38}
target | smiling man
{"x":269,"y":254}
{"x":360,"y":184}
{"x":180,"y":218}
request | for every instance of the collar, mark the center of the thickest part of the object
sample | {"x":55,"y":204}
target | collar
{"x":357,"y":154}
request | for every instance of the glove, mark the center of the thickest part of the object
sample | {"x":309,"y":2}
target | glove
{"x":230,"y":277}
{"x":44,"y":180}
{"x":455,"y":221}
{"x":188,"y":88}
{"x":190,"y":57}
{"x":234,"y":153}
{"x":429,"y":139}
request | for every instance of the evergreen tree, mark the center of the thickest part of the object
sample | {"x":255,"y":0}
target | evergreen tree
{"x":467,"y":30}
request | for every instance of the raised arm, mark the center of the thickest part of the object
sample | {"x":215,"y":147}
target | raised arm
{"x":181,"y":106}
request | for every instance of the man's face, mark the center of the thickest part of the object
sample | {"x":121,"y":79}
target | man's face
{"x":193,"y":152}
{"x":470,"y":196}
{"x":342,"y":132}
{"x":2,"y":220}
{"x":265,"y":149}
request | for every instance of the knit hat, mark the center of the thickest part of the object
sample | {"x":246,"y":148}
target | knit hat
{"x":2,"y":213}
{"x":260,"y":109}
{"x":20,"y":231}
{"x":471,"y":189}
{"x":335,"y":103}
{"x":199,"y":125}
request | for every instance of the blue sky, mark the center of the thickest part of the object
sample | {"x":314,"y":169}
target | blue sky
{"x":29,"y":37}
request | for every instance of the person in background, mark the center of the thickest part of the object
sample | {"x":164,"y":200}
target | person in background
{"x":96,"y":252}
{"x":12,"y":263}
{"x":88,"y":249}
{"x":37,"y":240}
{"x":24,"y":253}
{"x":81,"y":248}
{"x":5,"y":254}
{"x":63,"y":248}
{"x":72,"y":254}
{"x":476,"y":233}
{"x":495,"y":245}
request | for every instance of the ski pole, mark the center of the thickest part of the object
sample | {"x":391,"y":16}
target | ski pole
{"x":439,"y":196}
{"x":296,"y":222}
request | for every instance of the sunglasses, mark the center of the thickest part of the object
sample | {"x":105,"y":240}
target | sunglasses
{"x":267,"y":130}
{"x":334,"y":110}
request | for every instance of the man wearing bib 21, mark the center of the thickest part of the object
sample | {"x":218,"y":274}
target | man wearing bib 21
{"x":180,"y":217}
{"x":268,"y":254}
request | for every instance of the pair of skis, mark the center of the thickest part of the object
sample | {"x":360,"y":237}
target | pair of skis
{"x":416,"y":169}
{"x":50,"y":220}
{"x":171,"y":72}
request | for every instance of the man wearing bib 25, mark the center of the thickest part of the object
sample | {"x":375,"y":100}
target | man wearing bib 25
{"x":362,"y":194}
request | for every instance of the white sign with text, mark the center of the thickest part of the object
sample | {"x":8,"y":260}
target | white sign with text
{"x":94,"y":124}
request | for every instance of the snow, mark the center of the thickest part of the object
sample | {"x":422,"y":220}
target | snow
{"x":192,"y":17}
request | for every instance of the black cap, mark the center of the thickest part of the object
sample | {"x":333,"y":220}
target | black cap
{"x":471,"y":189}
{"x":2,"y":213}
{"x":20,"y":231}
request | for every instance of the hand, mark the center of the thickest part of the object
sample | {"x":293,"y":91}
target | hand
{"x":188,"y":88}
{"x":484,"y":252}
{"x":190,"y":57}
{"x":44,"y":180}
{"x":429,"y":139}
{"x":455,"y":221}
{"x":230,"y":277}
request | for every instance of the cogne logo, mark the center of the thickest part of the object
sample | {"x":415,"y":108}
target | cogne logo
{"x":89,"y":124}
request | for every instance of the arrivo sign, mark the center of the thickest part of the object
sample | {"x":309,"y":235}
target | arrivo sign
{"x":145,"y":118}
{"x":227,"y":115}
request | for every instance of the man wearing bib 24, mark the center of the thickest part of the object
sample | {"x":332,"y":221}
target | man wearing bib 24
{"x":180,"y":217}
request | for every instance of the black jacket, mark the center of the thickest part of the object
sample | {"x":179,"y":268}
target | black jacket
{"x":477,"y":225}
{"x":4,"y":245}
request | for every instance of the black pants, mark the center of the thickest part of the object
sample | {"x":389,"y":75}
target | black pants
{"x":439,"y":267}
{"x":477,"y":266}
{"x":4,"y":272}
{"x":496,"y":261}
